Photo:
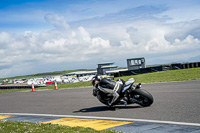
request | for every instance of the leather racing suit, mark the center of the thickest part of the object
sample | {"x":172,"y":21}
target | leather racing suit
{"x":112,"y":87}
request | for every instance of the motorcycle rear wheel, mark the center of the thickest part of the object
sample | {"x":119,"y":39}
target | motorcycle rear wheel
{"x":143,"y":97}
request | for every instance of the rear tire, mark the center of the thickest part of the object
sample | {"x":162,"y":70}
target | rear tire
{"x":143,"y":97}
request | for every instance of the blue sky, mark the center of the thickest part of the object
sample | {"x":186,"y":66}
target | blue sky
{"x":52,"y":35}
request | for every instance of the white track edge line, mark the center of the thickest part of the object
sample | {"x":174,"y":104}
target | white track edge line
{"x":106,"y":118}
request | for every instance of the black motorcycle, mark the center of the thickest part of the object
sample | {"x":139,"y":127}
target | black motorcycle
{"x":129,"y":94}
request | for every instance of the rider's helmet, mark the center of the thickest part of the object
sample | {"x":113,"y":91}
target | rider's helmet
{"x":95,"y":80}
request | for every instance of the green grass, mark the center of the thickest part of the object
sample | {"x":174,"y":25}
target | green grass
{"x":166,"y":76}
{"x":13,"y":90}
{"x":69,"y":85}
{"x":163,"y":76}
{"x":26,"y":127}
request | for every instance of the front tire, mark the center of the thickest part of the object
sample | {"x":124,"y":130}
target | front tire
{"x":143,"y":97}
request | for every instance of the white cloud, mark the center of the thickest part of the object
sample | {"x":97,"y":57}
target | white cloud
{"x":58,"y":21}
{"x":95,"y":41}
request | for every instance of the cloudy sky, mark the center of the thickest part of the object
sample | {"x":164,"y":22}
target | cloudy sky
{"x":51,"y":35}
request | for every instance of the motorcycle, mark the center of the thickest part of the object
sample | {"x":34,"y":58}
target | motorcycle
{"x":128,"y":94}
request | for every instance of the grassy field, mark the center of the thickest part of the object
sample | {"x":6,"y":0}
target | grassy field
{"x":163,"y":76}
{"x":167,"y":76}
{"x":12,"y":90}
{"x":25,"y":127}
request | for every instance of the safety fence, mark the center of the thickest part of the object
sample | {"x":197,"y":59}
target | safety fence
{"x":158,"y":68}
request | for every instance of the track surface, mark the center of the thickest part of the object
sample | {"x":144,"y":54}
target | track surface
{"x":174,"y":101}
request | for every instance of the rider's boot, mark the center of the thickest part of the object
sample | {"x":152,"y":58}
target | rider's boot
{"x":123,"y":101}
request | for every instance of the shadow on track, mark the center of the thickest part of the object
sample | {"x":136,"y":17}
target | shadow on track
{"x":105,"y":108}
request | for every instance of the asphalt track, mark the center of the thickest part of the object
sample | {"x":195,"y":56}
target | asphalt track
{"x":176,"y":102}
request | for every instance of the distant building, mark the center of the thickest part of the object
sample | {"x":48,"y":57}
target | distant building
{"x":105,"y":67}
{"x":81,"y":73}
{"x":136,"y":63}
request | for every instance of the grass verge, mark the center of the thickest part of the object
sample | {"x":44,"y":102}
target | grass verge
{"x":26,"y":127}
{"x":12,"y":90}
{"x":166,"y":76}
{"x":163,"y":76}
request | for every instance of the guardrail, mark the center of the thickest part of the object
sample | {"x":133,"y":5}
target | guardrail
{"x":158,"y":68}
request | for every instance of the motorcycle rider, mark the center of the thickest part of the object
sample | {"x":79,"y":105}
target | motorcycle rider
{"x":111,"y":87}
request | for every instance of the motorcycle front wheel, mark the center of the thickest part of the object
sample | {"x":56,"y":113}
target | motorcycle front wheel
{"x":143,"y":97}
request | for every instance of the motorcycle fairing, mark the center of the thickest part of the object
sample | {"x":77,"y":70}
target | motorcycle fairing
{"x":128,"y":84}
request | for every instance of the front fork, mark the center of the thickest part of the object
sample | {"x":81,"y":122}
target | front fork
{"x":133,"y":87}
